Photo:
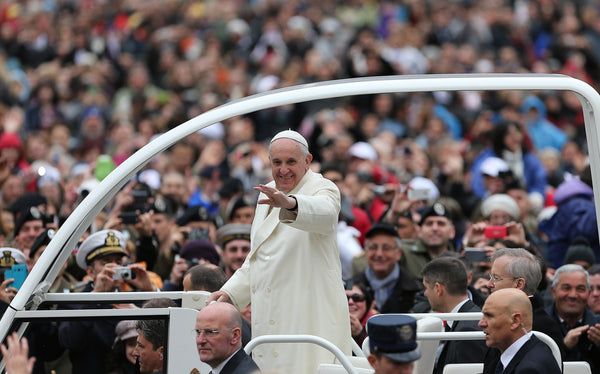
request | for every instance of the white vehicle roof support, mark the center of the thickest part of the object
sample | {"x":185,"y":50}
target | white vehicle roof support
{"x":57,"y":252}
{"x":344,"y":361}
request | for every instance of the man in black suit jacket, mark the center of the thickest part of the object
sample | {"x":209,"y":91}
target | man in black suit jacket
{"x":518,"y":268}
{"x":506,"y":322}
{"x":218,"y":337}
{"x":445,"y":281}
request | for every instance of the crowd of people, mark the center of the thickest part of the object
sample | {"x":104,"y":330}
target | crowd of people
{"x":422,"y":176}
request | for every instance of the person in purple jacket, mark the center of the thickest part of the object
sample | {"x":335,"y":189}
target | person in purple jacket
{"x":575,"y":216}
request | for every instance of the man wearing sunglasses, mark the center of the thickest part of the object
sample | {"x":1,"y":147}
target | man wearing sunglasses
{"x":219,"y":340}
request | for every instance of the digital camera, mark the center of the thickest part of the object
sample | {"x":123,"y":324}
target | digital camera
{"x":123,"y":273}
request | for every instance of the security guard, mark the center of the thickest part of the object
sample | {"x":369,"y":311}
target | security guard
{"x":393,"y":343}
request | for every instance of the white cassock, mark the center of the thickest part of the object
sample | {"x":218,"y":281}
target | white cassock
{"x":292,"y":276}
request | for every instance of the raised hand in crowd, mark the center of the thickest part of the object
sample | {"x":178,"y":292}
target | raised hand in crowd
{"x":16,"y":356}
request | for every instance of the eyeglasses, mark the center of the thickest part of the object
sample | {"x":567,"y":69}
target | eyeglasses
{"x":384,"y":248}
{"x":208,"y":333}
{"x":495,"y":279}
{"x":356,"y":297}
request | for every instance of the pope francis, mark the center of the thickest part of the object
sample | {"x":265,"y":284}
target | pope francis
{"x":292,"y":275}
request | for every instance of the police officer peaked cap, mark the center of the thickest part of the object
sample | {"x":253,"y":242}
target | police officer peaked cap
{"x":100,"y":244}
{"x":193,"y":214}
{"x":394,"y":336}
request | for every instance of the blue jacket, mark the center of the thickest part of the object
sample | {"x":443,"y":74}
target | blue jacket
{"x":576,"y":216}
{"x":536,"y":176}
{"x":542,"y":132}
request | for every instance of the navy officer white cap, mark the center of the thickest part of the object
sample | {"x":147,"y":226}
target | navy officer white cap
{"x":291,"y":134}
{"x":100,"y":244}
{"x":11,"y":256}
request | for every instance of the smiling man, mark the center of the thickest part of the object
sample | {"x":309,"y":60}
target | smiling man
{"x":579,"y":325}
{"x":219,"y":340}
{"x":435,"y":237}
{"x":293,"y":249}
{"x":393,"y":287}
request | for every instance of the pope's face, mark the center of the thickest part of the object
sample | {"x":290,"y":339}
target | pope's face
{"x":288,"y":163}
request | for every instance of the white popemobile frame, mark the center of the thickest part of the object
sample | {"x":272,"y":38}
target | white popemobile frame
{"x":34,"y":291}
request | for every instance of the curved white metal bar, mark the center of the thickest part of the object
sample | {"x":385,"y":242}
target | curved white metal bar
{"x":344,"y":361}
{"x":59,"y":248}
{"x":471,"y":316}
{"x":479,"y":335}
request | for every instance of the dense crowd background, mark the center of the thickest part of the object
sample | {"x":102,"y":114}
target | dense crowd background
{"x":83,"y":80}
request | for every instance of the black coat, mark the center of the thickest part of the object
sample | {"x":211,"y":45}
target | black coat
{"x":89,"y":341}
{"x":462,"y":351}
{"x":240,"y":363}
{"x":542,"y":322}
{"x":402,"y":298}
{"x":534,"y":357}
{"x":584,"y":350}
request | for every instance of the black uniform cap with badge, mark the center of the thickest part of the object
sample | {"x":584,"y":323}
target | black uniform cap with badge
{"x":163,"y":205}
{"x":29,"y":214}
{"x":435,"y":210}
{"x":41,"y":241}
{"x":393,"y":336}
{"x":195,"y":214}
{"x":22,"y":212}
{"x":100,"y":244}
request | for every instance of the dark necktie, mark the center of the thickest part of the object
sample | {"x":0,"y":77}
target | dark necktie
{"x":499,"y":368}
{"x":447,"y":327}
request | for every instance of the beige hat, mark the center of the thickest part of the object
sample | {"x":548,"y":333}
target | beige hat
{"x":233,"y":231}
{"x":125,"y":330}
